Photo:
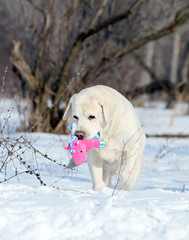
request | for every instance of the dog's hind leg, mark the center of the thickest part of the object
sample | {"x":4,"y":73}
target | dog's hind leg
{"x":132,"y":168}
{"x":107,"y":178}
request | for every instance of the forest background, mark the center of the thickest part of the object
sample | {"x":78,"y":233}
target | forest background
{"x":52,"y":49}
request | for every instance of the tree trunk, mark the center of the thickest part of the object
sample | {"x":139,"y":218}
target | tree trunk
{"x":175,"y":58}
{"x":145,"y":76}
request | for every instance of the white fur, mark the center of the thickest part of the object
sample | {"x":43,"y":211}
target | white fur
{"x":120,"y":129}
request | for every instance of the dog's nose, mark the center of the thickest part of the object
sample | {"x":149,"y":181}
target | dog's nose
{"x":80,"y":134}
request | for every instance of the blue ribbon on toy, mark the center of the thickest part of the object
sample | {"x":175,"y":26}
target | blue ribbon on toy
{"x":71,"y":150}
{"x":71,"y":141}
{"x":70,"y":127}
{"x":97,"y":136}
{"x":102,"y":144}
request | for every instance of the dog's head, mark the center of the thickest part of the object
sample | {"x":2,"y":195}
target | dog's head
{"x":89,"y":114}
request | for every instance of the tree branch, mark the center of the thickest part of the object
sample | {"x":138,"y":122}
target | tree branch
{"x":36,"y":6}
{"x":91,"y":31}
{"x":179,"y":20}
{"x":163,"y":32}
{"x":21,"y":65}
{"x":152,"y":74}
{"x":67,"y":15}
{"x":82,"y":37}
{"x":98,"y":14}
{"x":46,"y":30}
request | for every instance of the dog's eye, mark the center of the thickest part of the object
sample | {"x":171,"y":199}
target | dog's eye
{"x":75,"y":117}
{"x":91,"y":117}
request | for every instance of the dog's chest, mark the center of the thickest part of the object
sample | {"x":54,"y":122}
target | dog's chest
{"x":108,"y":156}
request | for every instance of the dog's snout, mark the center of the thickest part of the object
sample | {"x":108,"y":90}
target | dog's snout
{"x":80,"y":134}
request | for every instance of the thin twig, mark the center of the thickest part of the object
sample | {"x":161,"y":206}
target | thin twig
{"x":3,"y":79}
{"x":121,"y":164}
{"x":183,"y":189}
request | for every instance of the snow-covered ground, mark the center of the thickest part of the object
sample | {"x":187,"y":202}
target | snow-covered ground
{"x":160,"y":121}
{"x":67,"y":208}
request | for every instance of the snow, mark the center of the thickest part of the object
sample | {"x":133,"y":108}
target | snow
{"x":160,"y":121}
{"x":67,"y":208}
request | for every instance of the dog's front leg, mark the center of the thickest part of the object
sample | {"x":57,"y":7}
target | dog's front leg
{"x":96,"y":170}
{"x":71,"y":164}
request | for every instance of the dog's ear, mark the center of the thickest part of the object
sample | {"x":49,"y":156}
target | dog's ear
{"x":104,"y":113}
{"x":108,"y":109}
{"x":68,"y":110}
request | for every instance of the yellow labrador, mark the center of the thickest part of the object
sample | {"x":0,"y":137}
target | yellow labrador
{"x":103,"y":110}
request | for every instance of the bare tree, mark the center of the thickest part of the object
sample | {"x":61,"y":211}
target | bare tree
{"x":69,"y":34}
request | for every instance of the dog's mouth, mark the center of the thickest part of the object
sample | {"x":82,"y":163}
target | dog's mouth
{"x":83,"y":136}
{"x":80,"y":135}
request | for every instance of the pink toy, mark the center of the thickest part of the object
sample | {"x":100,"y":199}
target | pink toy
{"x":79,"y":148}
